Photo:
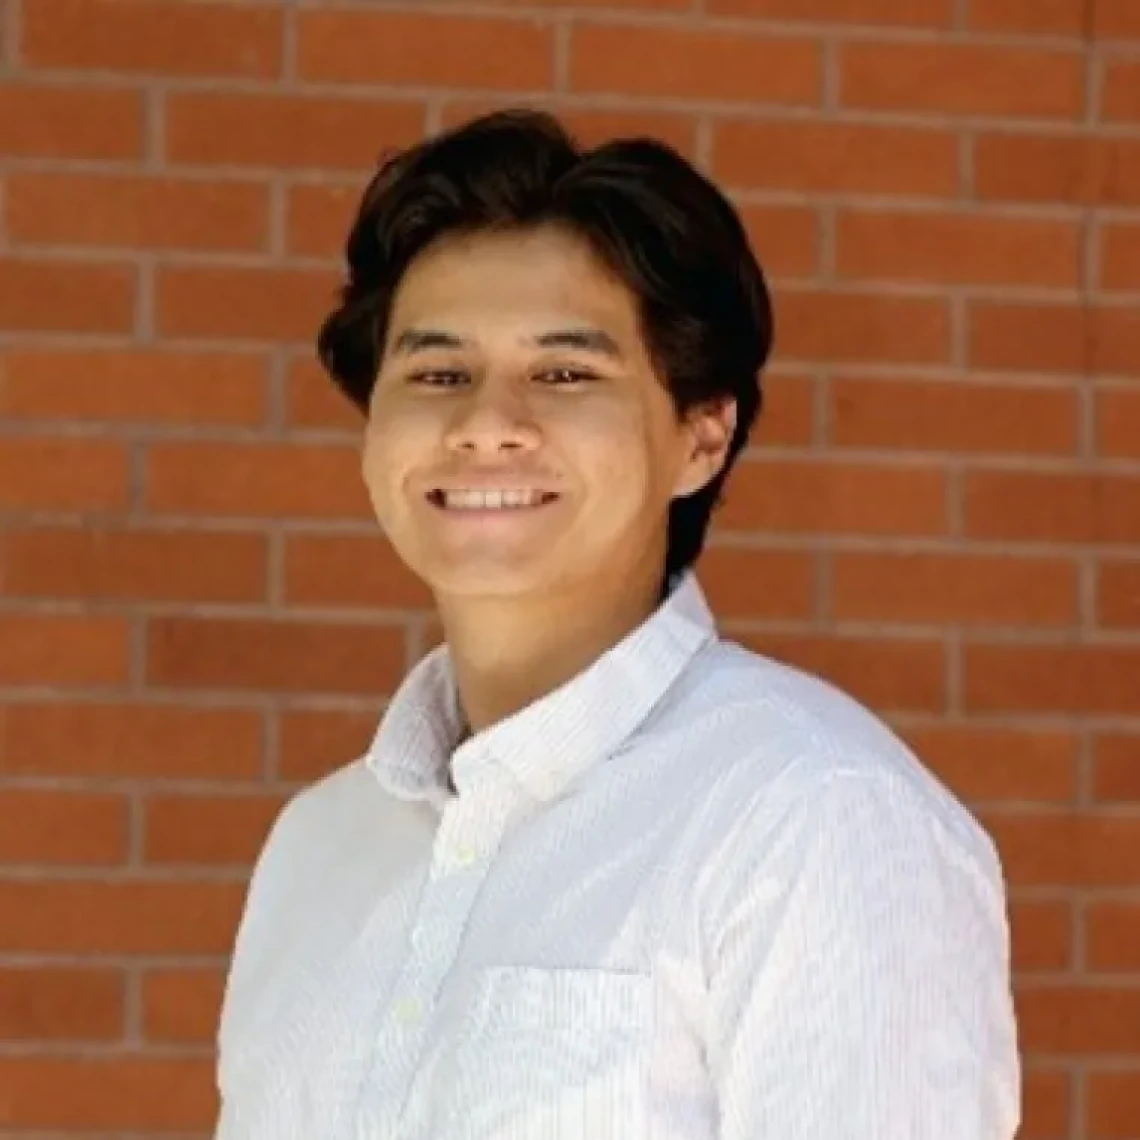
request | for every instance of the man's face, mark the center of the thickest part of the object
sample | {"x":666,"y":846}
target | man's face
{"x":514,"y":361}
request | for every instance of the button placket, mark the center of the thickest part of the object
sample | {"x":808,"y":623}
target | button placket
{"x":469,"y":832}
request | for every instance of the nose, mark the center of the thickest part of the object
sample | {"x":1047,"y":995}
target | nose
{"x":492,"y":418}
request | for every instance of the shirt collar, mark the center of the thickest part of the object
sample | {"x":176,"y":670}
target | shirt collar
{"x":545,"y":745}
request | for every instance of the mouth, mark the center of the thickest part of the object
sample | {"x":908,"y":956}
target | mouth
{"x":489,"y":502}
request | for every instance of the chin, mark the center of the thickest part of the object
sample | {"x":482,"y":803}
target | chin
{"x":492,"y":581}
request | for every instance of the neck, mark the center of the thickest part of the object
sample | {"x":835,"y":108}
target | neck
{"x":508,"y":653}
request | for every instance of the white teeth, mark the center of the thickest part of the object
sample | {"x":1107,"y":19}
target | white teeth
{"x":490,"y":500}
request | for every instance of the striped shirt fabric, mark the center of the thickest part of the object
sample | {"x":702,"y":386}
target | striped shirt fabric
{"x":691,"y":894}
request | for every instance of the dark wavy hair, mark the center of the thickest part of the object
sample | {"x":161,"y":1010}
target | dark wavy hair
{"x":654,"y":220}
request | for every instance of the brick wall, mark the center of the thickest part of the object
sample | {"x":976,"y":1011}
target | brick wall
{"x":942,"y":512}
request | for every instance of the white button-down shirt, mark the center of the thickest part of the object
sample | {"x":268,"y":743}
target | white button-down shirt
{"x":692,"y":893}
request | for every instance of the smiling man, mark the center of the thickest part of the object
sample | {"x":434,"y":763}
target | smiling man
{"x":602,"y":874}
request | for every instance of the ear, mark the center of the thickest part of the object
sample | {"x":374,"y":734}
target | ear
{"x":709,"y":428}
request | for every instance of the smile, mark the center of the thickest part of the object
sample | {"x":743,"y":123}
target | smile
{"x":470,"y":500}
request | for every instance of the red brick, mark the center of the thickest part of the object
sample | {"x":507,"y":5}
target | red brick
{"x":319,"y":217}
{"x":130,"y":741}
{"x":848,"y":327}
{"x":1117,"y":168}
{"x":1118,"y":595}
{"x":151,"y":36}
{"x":138,"y":565}
{"x":689,"y":63}
{"x":962,"y":79}
{"x":135,"y":385}
{"x":729,"y":575}
{"x":903,"y":675}
{"x":66,"y":296}
{"x":92,"y":917}
{"x":810,"y":155}
{"x":591,"y":126}
{"x":287,"y":131}
{"x":1076,"y":168}
{"x":1103,"y":340}
{"x":642,"y":5}
{"x":832,"y":498}
{"x":1116,"y":767}
{"x":70,"y":122}
{"x":424,"y":50}
{"x":958,"y":249}
{"x":62,"y":474}
{"x":786,"y":239}
{"x":265,"y":480}
{"x":267,"y":304}
{"x":312,"y":400}
{"x":315,"y":742}
{"x":1120,"y":255}
{"x":64,"y":1004}
{"x":1113,"y":1111}
{"x":1034,"y":17}
{"x":1120,"y":96}
{"x":1041,"y":935}
{"x":268,"y":656}
{"x":53,"y":649}
{"x":1116,"y":19}
{"x":1062,"y":849}
{"x":207,"y":830}
{"x":349,"y":570}
{"x":788,"y":415}
{"x":1114,"y":332}
{"x":1052,"y":507}
{"x":954,"y":589}
{"x":136,"y":212}
{"x":981,"y":764}
{"x":1028,"y":337}
{"x":1112,"y":936}
{"x":1052,"y":679}
{"x":182,"y":1007}
{"x":62,"y":827}
{"x":120,"y":1093}
{"x":953,"y":416}
{"x":1033,"y":168}
{"x":1070,"y":1019}
{"x":905,"y":13}
{"x":1046,"y":1104}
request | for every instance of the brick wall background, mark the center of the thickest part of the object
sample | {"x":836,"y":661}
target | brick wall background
{"x":942,"y":512}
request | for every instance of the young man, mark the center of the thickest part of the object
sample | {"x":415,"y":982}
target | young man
{"x":602,"y":875}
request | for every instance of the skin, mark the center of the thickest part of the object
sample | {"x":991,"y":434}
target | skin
{"x":503,"y":395}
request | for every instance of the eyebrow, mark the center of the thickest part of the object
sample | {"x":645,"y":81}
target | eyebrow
{"x":580,"y":339}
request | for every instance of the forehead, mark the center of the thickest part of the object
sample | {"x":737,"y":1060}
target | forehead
{"x":514,"y":277}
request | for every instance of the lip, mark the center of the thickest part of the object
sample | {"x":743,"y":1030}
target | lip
{"x":476,"y":483}
{"x":435,"y":498}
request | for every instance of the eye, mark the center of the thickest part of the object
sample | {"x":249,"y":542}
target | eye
{"x":438,"y":378}
{"x":559,"y":376}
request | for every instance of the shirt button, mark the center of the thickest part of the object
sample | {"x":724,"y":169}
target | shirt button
{"x":465,"y":856}
{"x":408,"y":1010}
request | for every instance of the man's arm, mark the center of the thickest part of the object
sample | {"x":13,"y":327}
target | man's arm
{"x":860,"y":980}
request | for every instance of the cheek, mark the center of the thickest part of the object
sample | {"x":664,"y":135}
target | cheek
{"x":614,"y":456}
{"x":625,"y":441}
{"x":384,"y":459}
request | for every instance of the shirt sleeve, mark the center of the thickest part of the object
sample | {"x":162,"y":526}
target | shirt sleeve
{"x":266,"y":897}
{"x":860,"y":975}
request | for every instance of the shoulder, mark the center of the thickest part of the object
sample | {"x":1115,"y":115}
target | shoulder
{"x":344,"y":816}
{"x":781,"y":748}
{"x":318,"y":808}
{"x":333,"y":850}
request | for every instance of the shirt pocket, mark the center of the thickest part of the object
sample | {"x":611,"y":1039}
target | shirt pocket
{"x":556,"y":1053}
